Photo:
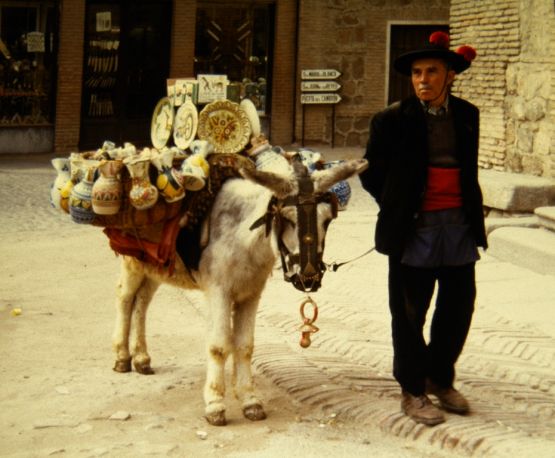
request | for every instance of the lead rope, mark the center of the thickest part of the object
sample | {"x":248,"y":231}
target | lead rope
{"x":335,"y":265}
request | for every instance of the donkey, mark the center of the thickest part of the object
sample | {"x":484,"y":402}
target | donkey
{"x":284,"y":212}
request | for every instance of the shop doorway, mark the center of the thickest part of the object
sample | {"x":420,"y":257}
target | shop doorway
{"x":126,"y":64}
{"x":236,"y":39}
{"x":404,"y":38}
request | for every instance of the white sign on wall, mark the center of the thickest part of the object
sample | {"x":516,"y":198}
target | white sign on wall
{"x":320,"y":74}
{"x":319,"y":86}
{"x":320,"y":98}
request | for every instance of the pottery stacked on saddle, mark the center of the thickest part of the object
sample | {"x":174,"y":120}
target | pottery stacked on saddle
{"x":341,"y":189}
{"x":62,"y":166}
{"x":195,"y":169}
{"x":169,"y":180}
{"x":143,"y":193}
{"x":107,"y":190}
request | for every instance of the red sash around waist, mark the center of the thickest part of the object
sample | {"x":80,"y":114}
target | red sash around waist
{"x":443,"y":189}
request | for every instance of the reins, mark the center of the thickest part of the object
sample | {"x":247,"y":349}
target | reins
{"x":336,"y":265}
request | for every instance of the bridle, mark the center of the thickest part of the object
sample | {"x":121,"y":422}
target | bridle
{"x":304,"y":270}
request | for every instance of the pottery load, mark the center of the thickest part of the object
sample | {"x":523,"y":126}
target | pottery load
{"x":122,"y":187}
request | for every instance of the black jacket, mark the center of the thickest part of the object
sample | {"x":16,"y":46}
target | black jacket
{"x":397,"y":172}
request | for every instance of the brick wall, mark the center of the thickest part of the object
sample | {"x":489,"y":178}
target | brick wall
{"x":183,"y":39}
{"x":70,"y":74}
{"x":283,"y":82}
{"x":511,"y":80}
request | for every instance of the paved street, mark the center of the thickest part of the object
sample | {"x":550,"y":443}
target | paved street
{"x":507,"y":369}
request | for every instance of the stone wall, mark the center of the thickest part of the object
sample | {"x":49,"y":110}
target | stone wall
{"x":512,"y":80}
{"x":351,"y":36}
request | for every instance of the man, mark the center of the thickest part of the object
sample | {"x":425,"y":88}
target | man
{"x":423,"y":173}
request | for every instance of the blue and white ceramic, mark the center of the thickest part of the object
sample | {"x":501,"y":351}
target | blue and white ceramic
{"x":341,"y":189}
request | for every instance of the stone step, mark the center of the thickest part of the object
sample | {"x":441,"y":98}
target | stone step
{"x":516,"y":193}
{"x":546,"y":217}
{"x":527,"y":247}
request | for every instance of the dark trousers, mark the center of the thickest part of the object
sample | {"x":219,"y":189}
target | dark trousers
{"x":410,"y":293}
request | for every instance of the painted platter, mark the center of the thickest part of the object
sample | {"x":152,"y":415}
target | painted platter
{"x":225,"y":125}
{"x":162,"y":123}
{"x":185,"y":125}
{"x":248,"y":107}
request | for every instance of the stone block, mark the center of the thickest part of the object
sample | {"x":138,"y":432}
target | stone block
{"x":546,"y":217}
{"x":530,"y":248}
{"x":516,"y":193}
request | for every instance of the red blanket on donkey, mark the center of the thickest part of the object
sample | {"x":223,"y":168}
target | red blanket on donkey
{"x":150,"y":235}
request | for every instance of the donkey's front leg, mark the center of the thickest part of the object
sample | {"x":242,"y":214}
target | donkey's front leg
{"x":127,"y":287}
{"x":218,"y":349}
{"x":143,"y":296}
{"x":243,"y":345}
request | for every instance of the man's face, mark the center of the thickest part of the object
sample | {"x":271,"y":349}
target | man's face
{"x":431,"y":80}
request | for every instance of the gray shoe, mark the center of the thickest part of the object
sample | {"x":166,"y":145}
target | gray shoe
{"x":421,"y":409}
{"x":449,"y":398}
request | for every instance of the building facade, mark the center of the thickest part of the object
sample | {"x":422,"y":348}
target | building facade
{"x":107,"y":63}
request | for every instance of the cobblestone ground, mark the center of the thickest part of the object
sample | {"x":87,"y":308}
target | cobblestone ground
{"x":507,"y":369}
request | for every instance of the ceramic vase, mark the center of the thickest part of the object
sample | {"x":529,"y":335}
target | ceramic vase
{"x":143,"y":194}
{"x":80,"y":205}
{"x":341,"y":189}
{"x":310,"y":159}
{"x":62,"y":167}
{"x":75,"y":164}
{"x":168,"y":181}
{"x":195,"y":168}
{"x":107,"y":189}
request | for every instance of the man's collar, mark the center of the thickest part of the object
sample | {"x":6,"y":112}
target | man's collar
{"x":436,"y":111}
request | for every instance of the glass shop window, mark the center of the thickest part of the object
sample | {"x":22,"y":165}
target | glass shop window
{"x":28,"y":41}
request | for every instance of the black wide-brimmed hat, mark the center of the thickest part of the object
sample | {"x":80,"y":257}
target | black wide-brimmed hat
{"x":438,"y":48}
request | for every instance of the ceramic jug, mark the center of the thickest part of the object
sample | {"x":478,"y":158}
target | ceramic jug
{"x":168,"y":181}
{"x":62,"y":167}
{"x":195,"y":168}
{"x":341,"y":189}
{"x":75,"y":167}
{"x":107,"y":189}
{"x":143,"y":194}
{"x":80,"y":205}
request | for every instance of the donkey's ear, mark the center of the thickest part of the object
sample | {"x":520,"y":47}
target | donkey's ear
{"x":325,"y":179}
{"x":281,"y":186}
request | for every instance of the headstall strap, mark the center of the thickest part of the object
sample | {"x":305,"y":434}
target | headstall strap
{"x":307,"y":228}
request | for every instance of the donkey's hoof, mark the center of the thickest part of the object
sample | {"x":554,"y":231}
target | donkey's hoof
{"x":123,"y":365}
{"x":216,"y":418}
{"x":143,"y":368}
{"x":254,"y":412}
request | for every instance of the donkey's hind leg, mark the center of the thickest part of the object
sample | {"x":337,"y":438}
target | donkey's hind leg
{"x":143,"y":296}
{"x":243,"y":346}
{"x":128,"y":284}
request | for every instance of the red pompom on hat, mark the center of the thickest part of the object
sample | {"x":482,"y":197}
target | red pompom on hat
{"x":437,"y":48}
{"x":468,"y":52}
{"x":440,"y":38}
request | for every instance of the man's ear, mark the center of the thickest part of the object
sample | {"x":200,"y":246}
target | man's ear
{"x":450,"y":77}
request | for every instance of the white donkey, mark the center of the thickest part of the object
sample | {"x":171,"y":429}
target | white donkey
{"x":252,"y":222}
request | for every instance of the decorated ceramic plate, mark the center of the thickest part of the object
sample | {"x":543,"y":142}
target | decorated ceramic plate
{"x":185,"y":125}
{"x":248,"y":107}
{"x":225,"y":125}
{"x":162,"y":123}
